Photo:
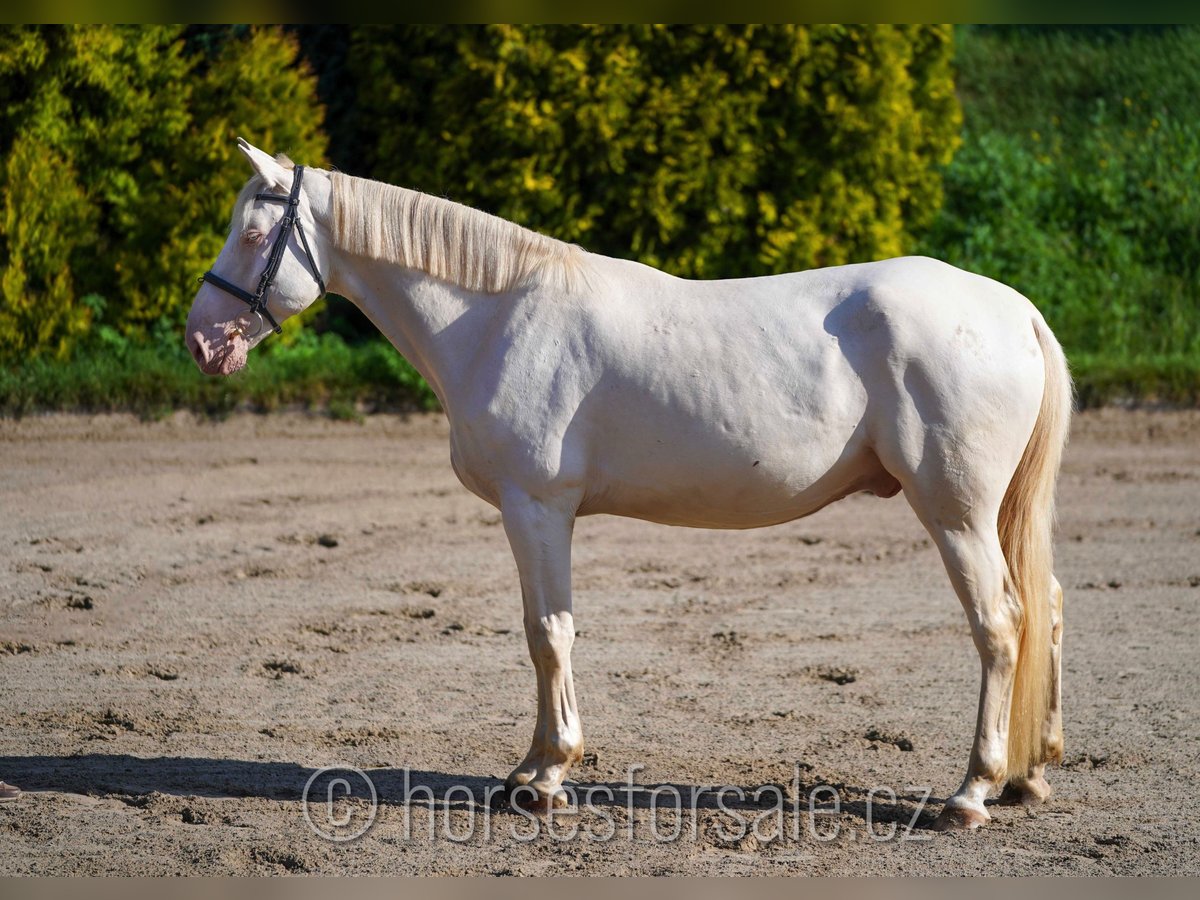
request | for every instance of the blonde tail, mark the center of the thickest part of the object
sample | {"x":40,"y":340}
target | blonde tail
{"x":1026,"y":524}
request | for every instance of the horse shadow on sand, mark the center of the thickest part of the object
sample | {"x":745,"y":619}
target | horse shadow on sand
{"x":122,"y":775}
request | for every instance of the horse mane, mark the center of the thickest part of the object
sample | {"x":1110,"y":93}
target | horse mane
{"x":452,"y":242}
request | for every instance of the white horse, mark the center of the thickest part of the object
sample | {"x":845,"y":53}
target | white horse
{"x":576,"y":384}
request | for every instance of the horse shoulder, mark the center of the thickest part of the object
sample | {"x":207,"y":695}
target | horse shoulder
{"x":513,"y":424}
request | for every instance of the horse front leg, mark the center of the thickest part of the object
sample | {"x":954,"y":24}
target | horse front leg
{"x":540,"y":536}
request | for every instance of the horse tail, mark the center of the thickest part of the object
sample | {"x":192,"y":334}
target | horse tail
{"x":1025,"y":525}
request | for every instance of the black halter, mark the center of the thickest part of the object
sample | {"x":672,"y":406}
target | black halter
{"x":291,"y":218}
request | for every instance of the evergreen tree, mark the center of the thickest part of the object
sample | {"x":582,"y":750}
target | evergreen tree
{"x":706,"y":150}
{"x":120,"y":167}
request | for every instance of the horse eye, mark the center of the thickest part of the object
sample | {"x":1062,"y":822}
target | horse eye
{"x":252,"y":237}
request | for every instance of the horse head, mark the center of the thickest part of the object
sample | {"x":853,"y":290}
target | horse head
{"x":270,"y":267}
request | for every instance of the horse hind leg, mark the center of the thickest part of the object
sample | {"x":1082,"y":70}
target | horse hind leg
{"x":966,"y":512}
{"x":1033,"y":789}
{"x":975,"y":563}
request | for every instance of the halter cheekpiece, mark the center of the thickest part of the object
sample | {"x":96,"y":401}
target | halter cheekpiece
{"x":291,"y":219}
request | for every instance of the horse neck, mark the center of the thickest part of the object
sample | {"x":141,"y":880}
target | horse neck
{"x":435,"y":325}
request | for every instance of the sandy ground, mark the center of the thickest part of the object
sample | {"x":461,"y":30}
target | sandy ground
{"x":195,"y":617}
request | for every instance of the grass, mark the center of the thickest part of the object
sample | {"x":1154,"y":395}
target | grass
{"x":1042,"y":78}
{"x":323,"y":373}
{"x":1149,"y":380}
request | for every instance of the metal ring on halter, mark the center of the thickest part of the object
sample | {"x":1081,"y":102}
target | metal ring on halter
{"x":239,"y":329}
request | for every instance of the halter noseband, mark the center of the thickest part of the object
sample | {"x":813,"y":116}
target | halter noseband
{"x":291,"y":218}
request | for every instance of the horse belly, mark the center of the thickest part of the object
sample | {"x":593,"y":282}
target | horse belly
{"x":735,"y":472}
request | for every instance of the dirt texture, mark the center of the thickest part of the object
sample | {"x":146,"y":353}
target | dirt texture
{"x":197,"y":616}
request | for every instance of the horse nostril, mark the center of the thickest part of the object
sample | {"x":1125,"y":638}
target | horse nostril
{"x":199,"y":348}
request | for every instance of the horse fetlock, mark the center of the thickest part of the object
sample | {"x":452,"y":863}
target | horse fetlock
{"x":548,"y":760}
{"x":991,"y":768}
{"x":561,"y":750}
{"x":1054,"y":745}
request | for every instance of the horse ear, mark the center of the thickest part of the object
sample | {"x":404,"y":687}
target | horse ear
{"x":265,"y":165}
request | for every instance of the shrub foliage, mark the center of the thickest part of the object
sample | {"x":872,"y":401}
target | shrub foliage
{"x":1077,"y":180}
{"x":118,"y":172}
{"x":708,"y":151}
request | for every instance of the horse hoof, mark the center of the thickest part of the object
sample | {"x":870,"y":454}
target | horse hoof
{"x":960,"y":818}
{"x":528,"y":797}
{"x":1029,"y":792}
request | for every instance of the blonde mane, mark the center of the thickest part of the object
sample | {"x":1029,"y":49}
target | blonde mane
{"x":475,"y":250}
